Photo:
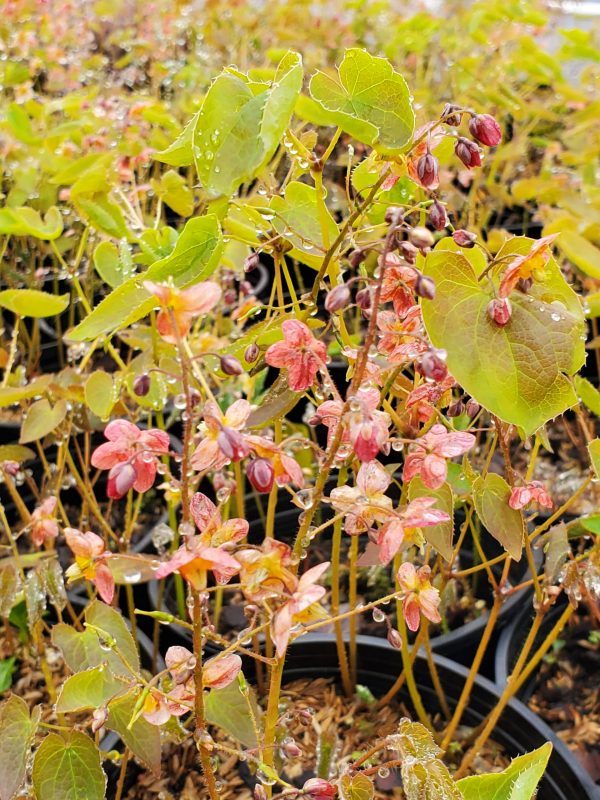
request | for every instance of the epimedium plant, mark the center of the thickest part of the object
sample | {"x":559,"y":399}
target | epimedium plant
{"x":457,"y":361}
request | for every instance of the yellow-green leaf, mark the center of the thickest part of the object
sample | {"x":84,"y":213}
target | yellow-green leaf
{"x":42,"y":419}
{"x":25,"y":221}
{"x":17,"y":728}
{"x":68,"y":767}
{"x":91,"y":688}
{"x":439,"y":536}
{"x":491,"y":495}
{"x":517,"y":782}
{"x":100,"y":394}
{"x":142,"y":738}
{"x":33,"y":303}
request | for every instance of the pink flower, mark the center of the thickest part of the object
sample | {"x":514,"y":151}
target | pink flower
{"x":401,"y":338}
{"x":264,"y":571}
{"x":43,"y":522}
{"x":181,"y":306}
{"x":429,"y":453}
{"x":206,"y":551}
{"x":530,"y":265}
{"x":365,"y":427}
{"x":420,"y":597}
{"x":399,"y":281}
{"x":90,"y":562}
{"x":422,"y":401}
{"x":285,"y":468}
{"x":299,"y":352}
{"x":417,"y":514}
{"x":532,"y":492}
{"x":366,"y":502}
{"x":319,"y":789}
{"x":301,"y":607}
{"x":222,"y":441}
{"x":130,"y":455}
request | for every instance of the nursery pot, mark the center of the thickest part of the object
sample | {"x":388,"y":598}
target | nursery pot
{"x":519,"y":730}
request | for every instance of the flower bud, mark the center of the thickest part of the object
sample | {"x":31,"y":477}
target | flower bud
{"x":231,"y":366}
{"x":421,"y":237}
{"x":408,"y":252}
{"x":363,"y":299}
{"x":120,"y":480}
{"x":452,"y":115}
{"x":260,"y":793}
{"x":485,"y":129}
{"x":393,"y":215}
{"x":356,"y":257}
{"x":291,"y":750}
{"x":251,"y":262}
{"x":394,"y":638}
{"x":432,"y":365}
{"x":141,"y":385}
{"x":456,"y":409}
{"x":229,"y":297}
{"x":319,"y":789}
{"x":232,"y":444}
{"x":427,"y":170}
{"x":438,"y":216}
{"x":473,"y":408}
{"x":261,"y":474}
{"x":251,"y":353}
{"x":246,"y":288}
{"x":464,"y":238}
{"x":337,"y":298}
{"x":195,"y":396}
{"x":468,"y":152}
{"x":425,"y":287}
{"x":99,"y":717}
{"x":499,"y":311}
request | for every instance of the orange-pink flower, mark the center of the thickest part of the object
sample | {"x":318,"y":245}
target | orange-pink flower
{"x":43,"y":522}
{"x":532,"y":492}
{"x":303,"y":606}
{"x":299,"y":352}
{"x":179,"y":307}
{"x":429,"y":454}
{"x":419,"y":596}
{"x":530,"y":265}
{"x":222,"y":441}
{"x":90,"y":562}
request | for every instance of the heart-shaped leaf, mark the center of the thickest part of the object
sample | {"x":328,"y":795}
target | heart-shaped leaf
{"x":491,"y":495}
{"x":41,"y":419}
{"x":356,"y":787}
{"x":100,"y":394}
{"x":68,"y":766}
{"x":517,"y":782}
{"x":142,"y":738}
{"x":439,"y":536}
{"x":33,"y":303}
{"x":25,"y":221}
{"x":91,"y":688}
{"x":16,"y":729}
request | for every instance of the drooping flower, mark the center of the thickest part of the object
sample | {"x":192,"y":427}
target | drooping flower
{"x":366,"y":502}
{"x":43,"y":522}
{"x":264,"y":571}
{"x":419,"y":596}
{"x":90,"y":562}
{"x":401,"y":339}
{"x":429,"y":454}
{"x":365,"y":427}
{"x":131,"y":456}
{"x":222,"y":441}
{"x":179,"y":307}
{"x":299,"y":352}
{"x":285,"y":468}
{"x":303,"y":606}
{"x":319,"y":789}
{"x":399,"y":281}
{"x":530,"y":265}
{"x":532,"y":492}
{"x":421,"y":401}
{"x":417,"y":514}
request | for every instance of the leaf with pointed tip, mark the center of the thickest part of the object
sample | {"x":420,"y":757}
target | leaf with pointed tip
{"x":100,"y":394}
{"x":17,"y":728}
{"x":229,"y":709}
{"x":519,"y":371}
{"x":25,"y":221}
{"x":594,"y":451}
{"x":42,"y":419}
{"x":33,"y":302}
{"x":517,"y":782}
{"x":491,"y":495}
{"x":9,"y":395}
{"x":104,"y":215}
{"x":142,"y":738}
{"x":68,"y":767}
{"x":110,"y":620}
{"x":92,"y":688}
{"x":276,"y":404}
{"x":439,"y":536}
{"x":588,"y":394}
{"x":428,"y":779}
{"x":356,"y":787}
{"x":369,"y":100}
{"x":194,"y":258}
{"x":15,"y":452}
{"x":557,"y":551}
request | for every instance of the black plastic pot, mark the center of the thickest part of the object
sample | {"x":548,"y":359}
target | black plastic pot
{"x":518,"y":731}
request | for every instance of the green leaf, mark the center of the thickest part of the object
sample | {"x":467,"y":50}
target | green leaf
{"x":195,"y":258}
{"x":439,"y":536}
{"x":276,"y":404}
{"x":356,"y":787}
{"x":91,"y":688}
{"x":103,"y":215}
{"x":16,"y":729}
{"x":41,"y":419}
{"x":8,"y":668}
{"x":229,"y":709}
{"x":581,"y":252}
{"x":10,"y":586}
{"x":297,"y":219}
{"x":109,"y":265}
{"x":429,"y":779}
{"x":110,"y":620}
{"x":173,"y":190}
{"x":15,"y":452}
{"x":143,"y":739}
{"x":588,"y":394}
{"x":33,"y":303}
{"x":594,"y":451}
{"x":24,"y":221}
{"x":369,"y":100}
{"x":20,"y":124}
{"x":517,"y":782}
{"x":557,"y":551}
{"x":87,"y":175}
{"x":100,"y":394}
{"x":9,"y":395}
{"x":68,"y":768}
{"x":491,"y":495}
{"x":414,"y":742}
{"x":519,"y":371}
{"x":179,"y":153}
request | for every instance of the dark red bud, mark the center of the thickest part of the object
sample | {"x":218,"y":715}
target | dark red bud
{"x":408,"y":252}
{"x":485,"y":129}
{"x":499,"y":311}
{"x":260,"y":793}
{"x":232,"y":444}
{"x":438,"y":216}
{"x":120,"y":480}
{"x":141,"y":385}
{"x":452,"y":115}
{"x":427,"y":170}
{"x":252,"y":352}
{"x":195,"y":397}
{"x":246,"y":288}
{"x":425,"y":287}
{"x":291,"y":750}
{"x":432,"y":365}
{"x":464,"y":238}
{"x":229,"y":297}
{"x":393,"y":215}
{"x":231,"y":366}
{"x":337,"y":298}
{"x":524,"y":284}
{"x":319,"y":789}
{"x":456,"y":409}
{"x":356,"y":257}
{"x":251,"y":262}
{"x":422,"y":238}
{"x":261,"y":474}
{"x":363,"y":299}
{"x":473,"y":408}
{"x":468,"y":152}
{"x":394,"y":638}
